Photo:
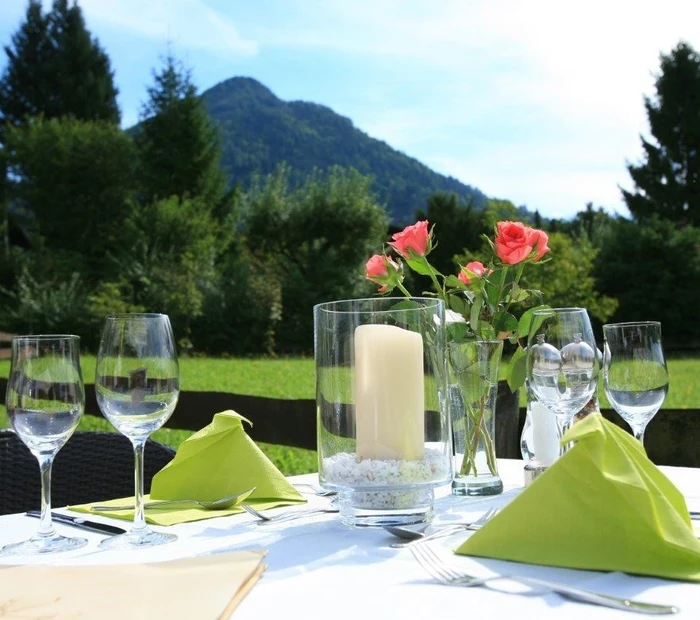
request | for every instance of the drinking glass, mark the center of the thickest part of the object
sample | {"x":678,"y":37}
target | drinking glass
{"x":562,"y":365}
{"x":137,"y":387}
{"x":634,"y":372}
{"x":45,"y":400}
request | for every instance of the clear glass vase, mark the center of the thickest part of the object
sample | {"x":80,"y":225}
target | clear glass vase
{"x":472,"y":391}
{"x":383,"y":431}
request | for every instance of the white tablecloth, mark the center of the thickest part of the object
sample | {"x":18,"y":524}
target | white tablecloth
{"x":319,"y":568}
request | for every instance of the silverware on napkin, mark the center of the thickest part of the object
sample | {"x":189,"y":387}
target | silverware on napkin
{"x":79,"y":522}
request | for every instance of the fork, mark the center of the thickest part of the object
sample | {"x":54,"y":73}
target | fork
{"x":288,"y":515}
{"x":447,"y":529}
{"x":450,"y":576}
{"x":321,"y":492}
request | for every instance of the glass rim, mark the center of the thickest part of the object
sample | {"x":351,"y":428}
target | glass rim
{"x":135,"y":315}
{"x":328,"y":306}
{"x":632,"y":324}
{"x":570,"y":310}
{"x":487,"y":341}
{"x":44,"y":337}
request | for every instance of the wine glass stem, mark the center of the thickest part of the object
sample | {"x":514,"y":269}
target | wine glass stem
{"x":639,"y":434}
{"x":139,"y":517}
{"x":46,"y":528}
{"x":563,"y":424}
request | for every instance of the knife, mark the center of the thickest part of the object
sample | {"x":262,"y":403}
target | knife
{"x":91,"y":526}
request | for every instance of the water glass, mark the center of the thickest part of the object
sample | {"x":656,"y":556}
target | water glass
{"x":635,"y":376}
{"x":562,"y":364}
{"x":137,"y":388}
{"x":45,"y":400}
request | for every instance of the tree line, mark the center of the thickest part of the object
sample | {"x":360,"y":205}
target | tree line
{"x":98,"y":220}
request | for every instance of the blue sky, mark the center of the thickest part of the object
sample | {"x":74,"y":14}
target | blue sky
{"x":538,"y":101}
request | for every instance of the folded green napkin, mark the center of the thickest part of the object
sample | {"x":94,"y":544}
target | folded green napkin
{"x":602,"y":506}
{"x":215,"y":462}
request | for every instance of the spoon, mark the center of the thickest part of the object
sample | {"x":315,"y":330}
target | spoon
{"x":217,"y":504}
{"x":414,"y":534}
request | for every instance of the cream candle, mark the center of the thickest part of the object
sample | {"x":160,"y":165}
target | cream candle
{"x":389,"y":393}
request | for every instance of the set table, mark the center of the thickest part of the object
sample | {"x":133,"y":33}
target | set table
{"x":320,"y":568}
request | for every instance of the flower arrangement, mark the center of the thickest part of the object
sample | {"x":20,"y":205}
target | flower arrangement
{"x":480,"y":298}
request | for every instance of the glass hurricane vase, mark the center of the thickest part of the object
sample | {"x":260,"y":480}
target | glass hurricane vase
{"x":383,"y":429}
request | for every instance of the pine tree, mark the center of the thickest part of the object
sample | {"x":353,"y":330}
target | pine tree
{"x":56,"y":68}
{"x":668,"y":181}
{"x":179,"y":145}
{"x":23,"y":87}
{"x":83,"y":81}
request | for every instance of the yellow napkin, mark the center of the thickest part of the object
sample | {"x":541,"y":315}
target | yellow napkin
{"x":209,"y":586}
{"x":215,"y":462}
{"x":602,"y":506}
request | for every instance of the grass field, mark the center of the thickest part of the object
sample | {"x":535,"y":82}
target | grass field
{"x":295,"y":378}
{"x":289,"y":378}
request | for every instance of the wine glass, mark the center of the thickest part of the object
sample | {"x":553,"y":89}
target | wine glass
{"x":634,"y":372}
{"x":137,"y":387}
{"x":562,"y":365}
{"x":45,"y":400}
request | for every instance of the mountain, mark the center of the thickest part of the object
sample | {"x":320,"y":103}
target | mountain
{"x":259,"y":131}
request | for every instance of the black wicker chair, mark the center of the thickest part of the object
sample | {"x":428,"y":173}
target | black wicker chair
{"x":90,"y":467}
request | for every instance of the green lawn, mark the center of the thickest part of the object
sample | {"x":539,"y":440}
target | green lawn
{"x":275,"y":378}
{"x":295,"y":378}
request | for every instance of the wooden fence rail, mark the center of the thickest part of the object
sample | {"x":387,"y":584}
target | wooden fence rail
{"x":672,"y":437}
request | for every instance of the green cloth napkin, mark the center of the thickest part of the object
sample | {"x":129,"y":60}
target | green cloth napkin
{"x":215,"y":462}
{"x":602,"y":506}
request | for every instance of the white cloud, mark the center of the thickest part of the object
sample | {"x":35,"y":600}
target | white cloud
{"x":191,"y":24}
{"x":538,"y":101}
{"x":573,"y":75}
{"x":556,"y":182}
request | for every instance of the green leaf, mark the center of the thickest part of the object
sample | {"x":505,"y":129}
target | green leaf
{"x":452,"y":281}
{"x":474,"y":314}
{"x":406,"y":304}
{"x":486,"y":331}
{"x":419,"y":267}
{"x":504,"y":322}
{"x":518,"y":294}
{"x":457,"y":332}
{"x":458,"y":305}
{"x":526,"y":321}
{"x":517,"y":369}
{"x":491,"y":291}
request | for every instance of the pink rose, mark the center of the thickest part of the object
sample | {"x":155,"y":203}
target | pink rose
{"x":513,"y":242}
{"x":382,"y":270}
{"x":476,"y":268}
{"x":539,"y":240}
{"x":415,"y":237}
{"x":376,"y":267}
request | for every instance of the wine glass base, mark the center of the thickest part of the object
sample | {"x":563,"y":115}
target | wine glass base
{"x":43,"y":544}
{"x":137,"y":540}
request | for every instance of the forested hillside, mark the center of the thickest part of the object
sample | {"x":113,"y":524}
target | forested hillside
{"x":97,"y":220}
{"x":259,"y":131}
